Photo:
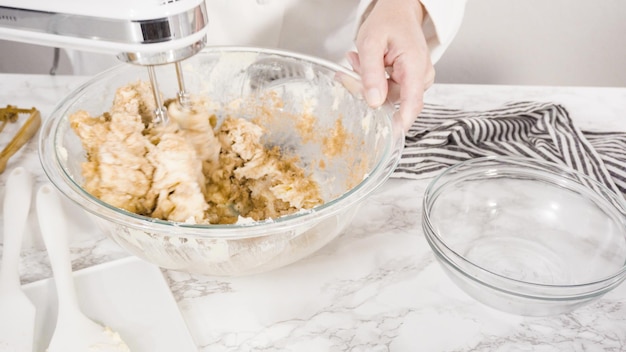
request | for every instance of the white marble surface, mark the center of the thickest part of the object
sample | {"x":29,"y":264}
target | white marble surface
{"x":375,"y":288}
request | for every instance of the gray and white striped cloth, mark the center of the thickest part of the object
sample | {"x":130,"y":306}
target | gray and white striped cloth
{"x":441,"y":137}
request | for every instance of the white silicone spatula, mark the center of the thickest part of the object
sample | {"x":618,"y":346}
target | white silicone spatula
{"x":74,"y":331}
{"x":17,"y":312}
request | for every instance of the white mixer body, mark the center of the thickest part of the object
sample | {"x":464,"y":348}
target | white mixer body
{"x":144,"y":32}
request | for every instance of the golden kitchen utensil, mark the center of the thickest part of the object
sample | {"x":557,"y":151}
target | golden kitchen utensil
{"x":11,"y":114}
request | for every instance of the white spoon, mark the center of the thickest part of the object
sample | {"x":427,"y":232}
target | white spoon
{"x":74,"y":331}
{"x":17,"y":312}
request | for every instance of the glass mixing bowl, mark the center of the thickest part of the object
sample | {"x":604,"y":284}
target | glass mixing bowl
{"x":304,"y":86}
{"x":526,"y":236}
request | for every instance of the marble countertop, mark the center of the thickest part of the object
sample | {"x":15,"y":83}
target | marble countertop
{"x":377,"y":287}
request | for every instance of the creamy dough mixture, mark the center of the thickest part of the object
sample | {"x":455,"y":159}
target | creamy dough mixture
{"x":190,"y":169}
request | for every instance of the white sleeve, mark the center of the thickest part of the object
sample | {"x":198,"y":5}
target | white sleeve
{"x":442,"y":22}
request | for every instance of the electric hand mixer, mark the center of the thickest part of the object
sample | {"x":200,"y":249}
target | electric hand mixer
{"x":142,"y":32}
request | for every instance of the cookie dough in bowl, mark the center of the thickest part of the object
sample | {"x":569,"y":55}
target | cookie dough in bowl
{"x":268,"y":164}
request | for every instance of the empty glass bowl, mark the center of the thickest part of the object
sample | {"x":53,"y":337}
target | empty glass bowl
{"x":324,"y":94}
{"x":526,"y":236}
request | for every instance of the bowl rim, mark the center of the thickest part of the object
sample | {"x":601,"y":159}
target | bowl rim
{"x":549,"y":294}
{"x":50,"y":160}
{"x":605,"y":283}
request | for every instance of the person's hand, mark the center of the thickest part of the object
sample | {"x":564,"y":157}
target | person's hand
{"x":393,"y":58}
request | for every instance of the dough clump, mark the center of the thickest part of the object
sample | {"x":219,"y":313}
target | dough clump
{"x":191,"y":169}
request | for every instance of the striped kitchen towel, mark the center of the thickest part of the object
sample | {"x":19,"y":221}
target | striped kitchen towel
{"x":441,"y":137}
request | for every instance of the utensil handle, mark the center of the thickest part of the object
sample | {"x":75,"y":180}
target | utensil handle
{"x":28,"y":129}
{"x":52,"y":223}
{"x":17,"y":199}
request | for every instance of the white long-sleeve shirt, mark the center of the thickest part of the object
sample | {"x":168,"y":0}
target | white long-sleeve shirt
{"x":322,"y":28}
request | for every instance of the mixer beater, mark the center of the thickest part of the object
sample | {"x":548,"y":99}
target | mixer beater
{"x":141,"y":32}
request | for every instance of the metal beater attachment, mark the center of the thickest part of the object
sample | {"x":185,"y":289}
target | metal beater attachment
{"x":160,"y":113}
{"x":28,"y":129}
{"x":183,"y":96}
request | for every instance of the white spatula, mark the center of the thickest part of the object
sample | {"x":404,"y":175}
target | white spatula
{"x":74,"y":331}
{"x":17,"y":312}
